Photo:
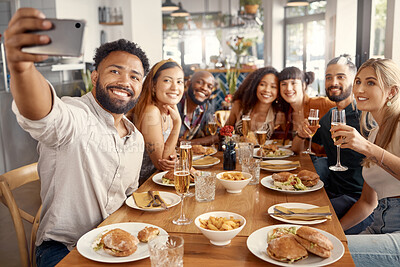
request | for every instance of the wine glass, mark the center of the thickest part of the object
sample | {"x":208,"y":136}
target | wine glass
{"x":245,"y":125}
{"x":212,"y":125}
{"x":313,"y":119}
{"x":186,"y":153}
{"x":182,"y":183}
{"x":338,"y":117}
{"x":261,"y":133}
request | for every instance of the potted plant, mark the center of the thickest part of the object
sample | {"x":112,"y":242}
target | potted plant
{"x":167,"y":21}
{"x":198,"y":21}
{"x":250,"y":6}
{"x":180,"y":22}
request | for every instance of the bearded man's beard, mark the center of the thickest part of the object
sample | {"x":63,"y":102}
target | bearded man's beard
{"x":337,"y":98}
{"x":115,"y":106}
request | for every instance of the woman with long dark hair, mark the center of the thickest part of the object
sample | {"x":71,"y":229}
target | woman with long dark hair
{"x":256,"y":98}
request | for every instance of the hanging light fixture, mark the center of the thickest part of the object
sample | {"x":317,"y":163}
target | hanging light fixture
{"x":297,"y":3}
{"x":180,"y":12}
{"x":169,"y":6}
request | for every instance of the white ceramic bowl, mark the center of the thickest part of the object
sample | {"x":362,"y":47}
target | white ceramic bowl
{"x":220,"y":238}
{"x":234,"y":186}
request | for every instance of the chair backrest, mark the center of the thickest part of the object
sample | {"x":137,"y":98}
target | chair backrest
{"x":8,"y":182}
{"x":222,"y":117}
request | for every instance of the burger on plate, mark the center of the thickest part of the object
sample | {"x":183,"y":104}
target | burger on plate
{"x":308,"y":178}
{"x":286,"y":249}
{"x":314,"y":241}
{"x":281,"y":177}
{"x":168,"y":178}
{"x":119,"y":243}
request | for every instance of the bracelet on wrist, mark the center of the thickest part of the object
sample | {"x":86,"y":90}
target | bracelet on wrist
{"x":303,"y":138}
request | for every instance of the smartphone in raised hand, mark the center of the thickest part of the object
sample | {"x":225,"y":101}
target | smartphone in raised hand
{"x":66,"y":39}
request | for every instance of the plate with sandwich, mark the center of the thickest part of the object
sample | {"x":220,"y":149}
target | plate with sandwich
{"x":303,"y":182}
{"x":166,"y":178}
{"x":205,"y":162}
{"x":314,"y":214}
{"x":141,"y":201}
{"x":272,"y":152}
{"x":200,"y":151}
{"x":279,"y":165}
{"x":295,"y":245}
{"x":120,"y":242}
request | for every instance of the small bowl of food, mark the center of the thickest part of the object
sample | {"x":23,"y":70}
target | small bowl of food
{"x":234,"y":181}
{"x":220,"y":227}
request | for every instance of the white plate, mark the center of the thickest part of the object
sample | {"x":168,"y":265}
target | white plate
{"x":287,"y":154}
{"x":257,"y":244}
{"x":270,"y":142}
{"x":206,"y":165}
{"x":170,"y":199}
{"x":268,"y":182}
{"x":297,"y":206}
{"x":277,"y":162}
{"x":196,"y":156}
{"x":157,"y":178}
{"x":84,"y":244}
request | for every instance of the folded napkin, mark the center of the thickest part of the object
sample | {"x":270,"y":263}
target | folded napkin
{"x":143,"y":199}
{"x":298,"y":216}
{"x":205,"y":161}
{"x":293,"y":164}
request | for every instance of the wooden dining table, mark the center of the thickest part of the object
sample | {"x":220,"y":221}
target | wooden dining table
{"x":252,"y":203}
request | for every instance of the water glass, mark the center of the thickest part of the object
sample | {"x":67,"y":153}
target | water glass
{"x":245,"y":151}
{"x":166,"y":251}
{"x":205,"y":186}
{"x":252,"y":166}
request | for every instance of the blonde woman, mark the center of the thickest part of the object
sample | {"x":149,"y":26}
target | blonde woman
{"x":376,"y":90}
{"x":157,"y":117}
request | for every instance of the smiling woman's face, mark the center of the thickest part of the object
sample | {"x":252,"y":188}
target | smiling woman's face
{"x":170,"y":86}
{"x":292,"y":90}
{"x":367,"y":91}
{"x":267,"y":89}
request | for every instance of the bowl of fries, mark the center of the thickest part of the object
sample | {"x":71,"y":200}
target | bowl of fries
{"x":234,"y":181}
{"x":220,"y":227}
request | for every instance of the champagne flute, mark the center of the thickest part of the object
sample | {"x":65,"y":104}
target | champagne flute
{"x":182,"y":183}
{"x":261,"y":133}
{"x":186,"y":153}
{"x":338,"y":117}
{"x":245,"y":125}
{"x":313,"y":119}
{"x":212,"y":125}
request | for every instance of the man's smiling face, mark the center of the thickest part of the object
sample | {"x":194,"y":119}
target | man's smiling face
{"x":118,"y":82}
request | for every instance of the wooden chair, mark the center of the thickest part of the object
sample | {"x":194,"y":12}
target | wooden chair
{"x":222,"y":117}
{"x":8,"y":182}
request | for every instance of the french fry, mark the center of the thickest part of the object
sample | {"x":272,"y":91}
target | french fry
{"x":219,"y":223}
{"x":233,"y":176}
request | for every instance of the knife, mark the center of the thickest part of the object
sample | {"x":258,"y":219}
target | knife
{"x":301,"y":214}
{"x":163,"y":205}
{"x":153,"y":197}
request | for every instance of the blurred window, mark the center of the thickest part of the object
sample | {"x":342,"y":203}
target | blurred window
{"x":305,"y":42}
{"x":378,"y":28}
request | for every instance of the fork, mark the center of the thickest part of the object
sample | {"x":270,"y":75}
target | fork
{"x":152,"y":203}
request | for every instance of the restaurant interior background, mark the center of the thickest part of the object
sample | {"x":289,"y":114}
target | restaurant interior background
{"x":306,"y":37}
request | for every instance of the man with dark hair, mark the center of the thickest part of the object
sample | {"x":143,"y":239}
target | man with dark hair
{"x":90,"y":153}
{"x":196,"y":107}
{"x":343,"y":187}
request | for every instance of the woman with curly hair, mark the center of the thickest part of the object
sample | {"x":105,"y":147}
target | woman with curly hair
{"x":157,"y":117}
{"x":256,"y":97}
{"x":376,"y":90}
{"x":295,"y":102}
